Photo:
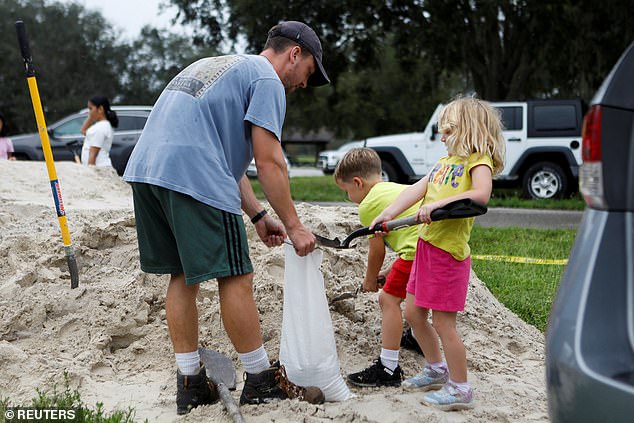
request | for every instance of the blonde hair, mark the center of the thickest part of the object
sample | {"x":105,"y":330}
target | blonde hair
{"x":472,"y":126}
{"x":363,"y":162}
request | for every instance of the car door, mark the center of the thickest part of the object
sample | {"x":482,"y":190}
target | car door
{"x":434,"y":148}
{"x":514,"y":121}
{"x":126,"y":135}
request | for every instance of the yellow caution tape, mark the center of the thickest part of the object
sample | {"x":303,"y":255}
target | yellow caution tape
{"x":515,"y":259}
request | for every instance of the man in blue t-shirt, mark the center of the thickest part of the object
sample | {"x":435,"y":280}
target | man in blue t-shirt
{"x":187,"y":173}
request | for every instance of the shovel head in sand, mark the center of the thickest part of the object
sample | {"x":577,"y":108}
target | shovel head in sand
{"x":220,"y":372}
{"x":219,"y":366}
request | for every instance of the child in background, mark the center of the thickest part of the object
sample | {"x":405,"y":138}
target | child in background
{"x":6,"y":146}
{"x":359,"y":175}
{"x":472,"y":132}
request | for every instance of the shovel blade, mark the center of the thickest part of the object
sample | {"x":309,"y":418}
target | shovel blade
{"x":219,"y":367}
{"x":327,"y":242}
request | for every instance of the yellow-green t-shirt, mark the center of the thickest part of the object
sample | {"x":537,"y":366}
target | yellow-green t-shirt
{"x":451,"y":175}
{"x":381,"y":195}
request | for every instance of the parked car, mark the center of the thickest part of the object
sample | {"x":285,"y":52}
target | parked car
{"x":543,"y":147}
{"x":252,"y":170}
{"x":66,"y":140}
{"x":590,"y":335}
{"x":328,"y":159}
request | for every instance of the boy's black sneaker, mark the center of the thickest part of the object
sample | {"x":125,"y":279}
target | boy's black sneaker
{"x":273,"y":384}
{"x":192,"y":391}
{"x":409,"y":342}
{"x":377,"y":375}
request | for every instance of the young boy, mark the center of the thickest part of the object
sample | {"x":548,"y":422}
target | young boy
{"x":359,"y":175}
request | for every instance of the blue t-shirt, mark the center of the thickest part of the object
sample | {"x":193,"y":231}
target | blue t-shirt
{"x":197,"y":139}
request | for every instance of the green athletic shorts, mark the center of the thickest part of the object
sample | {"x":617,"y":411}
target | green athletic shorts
{"x":178,"y":234}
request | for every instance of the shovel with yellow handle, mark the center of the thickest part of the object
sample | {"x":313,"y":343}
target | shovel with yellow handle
{"x":48,"y":154}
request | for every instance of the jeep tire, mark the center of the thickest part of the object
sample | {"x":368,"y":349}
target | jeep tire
{"x":388,"y":173}
{"x":545,"y":180}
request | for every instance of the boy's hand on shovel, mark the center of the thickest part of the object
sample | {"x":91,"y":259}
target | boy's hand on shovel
{"x":369,"y":285}
{"x":380,"y":281}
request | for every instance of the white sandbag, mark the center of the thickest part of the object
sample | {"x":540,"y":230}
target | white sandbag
{"x":307,"y":348}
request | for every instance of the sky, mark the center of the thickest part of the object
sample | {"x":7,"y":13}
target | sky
{"x":131,"y":15}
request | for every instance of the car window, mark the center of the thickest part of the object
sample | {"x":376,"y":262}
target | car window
{"x":131,"y":123}
{"x":72,"y":127}
{"x":555,"y":118}
{"x":511,"y":118}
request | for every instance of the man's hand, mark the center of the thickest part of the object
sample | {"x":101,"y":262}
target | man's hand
{"x":303,"y":240}
{"x":270,"y":231}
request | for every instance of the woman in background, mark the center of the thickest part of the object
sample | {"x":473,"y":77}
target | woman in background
{"x":98,"y":128}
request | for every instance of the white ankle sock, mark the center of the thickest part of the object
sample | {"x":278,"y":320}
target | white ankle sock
{"x":389,"y":358}
{"x":188,"y":363}
{"x":255,"y":361}
{"x":463,"y":387}
{"x":439,"y":367}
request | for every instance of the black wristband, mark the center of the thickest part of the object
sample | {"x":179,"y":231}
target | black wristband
{"x":258,"y":216}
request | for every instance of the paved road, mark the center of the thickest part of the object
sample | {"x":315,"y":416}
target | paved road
{"x":305,"y":171}
{"x":530,"y":218}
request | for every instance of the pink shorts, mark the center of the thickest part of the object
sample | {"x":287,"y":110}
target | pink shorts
{"x":396,"y":281}
{"x":437,"y":280}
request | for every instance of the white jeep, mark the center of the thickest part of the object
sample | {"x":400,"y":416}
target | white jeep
{"x":543,"y":148}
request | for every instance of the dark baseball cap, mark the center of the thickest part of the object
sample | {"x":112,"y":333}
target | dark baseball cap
{"x":303,"y":35}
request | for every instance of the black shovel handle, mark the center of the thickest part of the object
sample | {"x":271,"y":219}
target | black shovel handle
{"x":25,"y":49}
{"x":458,"y":209}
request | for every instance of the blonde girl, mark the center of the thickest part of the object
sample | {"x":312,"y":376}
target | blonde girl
{"x":472,"y":132}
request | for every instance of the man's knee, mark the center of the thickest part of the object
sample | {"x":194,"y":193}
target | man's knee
{"x":238,"y":285}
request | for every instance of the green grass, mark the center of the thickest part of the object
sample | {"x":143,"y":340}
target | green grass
{"x":69,"y":399}
{"x":505,"y":197}
{"x":318,"y":188}
{"x":323,"y":188}
{"x":526,"y":289}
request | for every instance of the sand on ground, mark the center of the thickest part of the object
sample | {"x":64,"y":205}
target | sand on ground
{"x":110,"y":334}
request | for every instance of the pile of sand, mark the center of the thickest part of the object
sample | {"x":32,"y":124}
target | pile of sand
{"x":110,"y":334}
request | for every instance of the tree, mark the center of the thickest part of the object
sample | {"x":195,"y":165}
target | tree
{"x":521,"y":49}
{"x":155,"y":58}
{"x":373,"y":91}
{"x":504,"y":48}
{"x":75,"y":53}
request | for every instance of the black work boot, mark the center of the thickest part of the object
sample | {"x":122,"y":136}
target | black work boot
{"x":273,"y":384}
{"x":377,"y":375}
{"x":193,"y":391}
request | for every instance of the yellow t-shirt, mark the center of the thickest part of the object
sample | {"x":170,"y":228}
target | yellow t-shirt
{"x":451,"y":175}
{"x":381,"y":195}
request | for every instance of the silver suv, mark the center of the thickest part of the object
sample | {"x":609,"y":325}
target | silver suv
{"x":590,"y":336}
{"x":66,"y":140}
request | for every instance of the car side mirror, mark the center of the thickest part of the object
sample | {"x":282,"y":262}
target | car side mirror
{"x":434,"y":131}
